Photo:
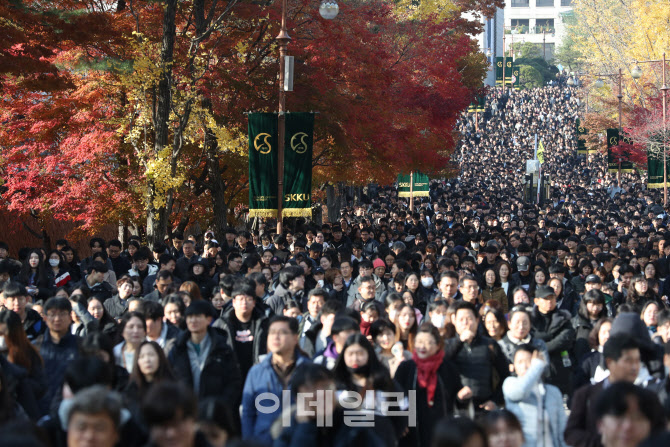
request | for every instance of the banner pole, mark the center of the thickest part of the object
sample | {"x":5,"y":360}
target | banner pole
{"x":411,"y":191}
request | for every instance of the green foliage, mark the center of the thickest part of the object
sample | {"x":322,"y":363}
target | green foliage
{"x":528,"y":50}
{"x":530,"y":77}
{"x":541,"y":72}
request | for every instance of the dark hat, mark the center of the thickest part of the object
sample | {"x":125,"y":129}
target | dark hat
{"x":492,"y":249}
{"x":316,"y":247}
{"x":200,"y":307}
{"x":595,"y":279}
{"x":544,"y":292}
{"x":523,"y":263}
{"x":199,"y":260}
{"x":317,"y":271}
{"x":275,"y":261}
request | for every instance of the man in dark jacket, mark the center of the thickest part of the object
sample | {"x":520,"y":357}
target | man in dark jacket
{"x":622,"y":359}
{"x":291,"y":287}
{"x":120,"y":264}
{"x":162,"y":332}
{"x":162,"y":286}
{"x":270,"y":377}
{"x":58,"y":347}
{"x":478,"y":359}
{"x":245,"y":326}
{"x":95,"y":282}
{"x":553,"y":326}
{"x":202,"y":359}
{"x":15,"y":299}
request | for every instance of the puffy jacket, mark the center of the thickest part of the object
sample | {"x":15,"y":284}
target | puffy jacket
{"x":281,"y":296}
{"x":495,"y":294}
{"x":557,"y":332}
{"x":583,"y":327}
{"x":509,"y":346}
{"x":482,"y":367}
{"x":352,"y":294}
{"x":116,"y":307}
{"x":220,"y":376}
{"x":529,"y":399}
{"x":261,"y":379}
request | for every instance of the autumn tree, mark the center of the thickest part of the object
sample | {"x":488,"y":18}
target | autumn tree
{"x":148,"y":123}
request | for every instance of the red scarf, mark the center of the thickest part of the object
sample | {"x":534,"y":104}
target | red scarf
{"x":365,"y":327}
{"x":427,"y":373}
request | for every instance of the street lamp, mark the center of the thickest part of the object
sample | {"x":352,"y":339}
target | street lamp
{"x":599,"y":83}
{"x":636,"y":73}
{"x":328,"y":10}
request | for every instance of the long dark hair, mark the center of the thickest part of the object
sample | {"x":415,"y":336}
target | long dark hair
{"x":592,"y":296}
{"x":164,"y":372}
{"x":26,"y":270}
{"x":21,"y":351}
{"x":378,"y":376}
{"x":412,"y":330}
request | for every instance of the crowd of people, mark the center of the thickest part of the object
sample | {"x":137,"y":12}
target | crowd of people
{"x":477,"y":318}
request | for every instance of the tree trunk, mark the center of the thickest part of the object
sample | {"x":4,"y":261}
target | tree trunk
{"x":218,"y":193}
{"x":157,"y":217}
{"x":333,"y":203}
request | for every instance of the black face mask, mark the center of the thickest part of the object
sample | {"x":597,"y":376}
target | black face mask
{"x":363,"y":370}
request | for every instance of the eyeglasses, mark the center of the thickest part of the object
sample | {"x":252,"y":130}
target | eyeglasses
{"x":61,"y":315}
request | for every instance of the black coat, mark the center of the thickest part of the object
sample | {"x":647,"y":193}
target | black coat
{"x":557,"y":332}
{"x":581,"y":429}
{"x":220,"y":377}
{"x":448,"y":385}
{"x":259,"y":329}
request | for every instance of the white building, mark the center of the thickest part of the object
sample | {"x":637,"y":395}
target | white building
{"x":536,"y":21}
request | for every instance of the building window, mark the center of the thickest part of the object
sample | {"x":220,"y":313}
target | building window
{"x":521,"y":26}
{"x":544,"y":26}
{"x":520,"y":3}
{"x":544,"y":3}
{"x":566,"y":2}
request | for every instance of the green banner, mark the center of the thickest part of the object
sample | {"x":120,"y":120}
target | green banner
{"x":298,"y":165}
{"x":478,"y":104}
{"x":403,"y":185}
{"x":420,"y":187}
{"x":581,"y":142}
{"x":613,"y":164}
{"x":263,"y":165}
{"x":655,"y":163}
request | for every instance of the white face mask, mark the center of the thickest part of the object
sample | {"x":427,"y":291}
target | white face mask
{"x":427,"y":281}
{"x":54,"y":262}
{"x":3,"y":343}
{"x":438,"y":320}
{"x":320,"y":283}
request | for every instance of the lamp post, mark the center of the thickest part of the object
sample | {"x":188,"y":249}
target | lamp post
{"x":636,"y":73}
{"x":328,"y":10}
{"x":513,"y":31}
